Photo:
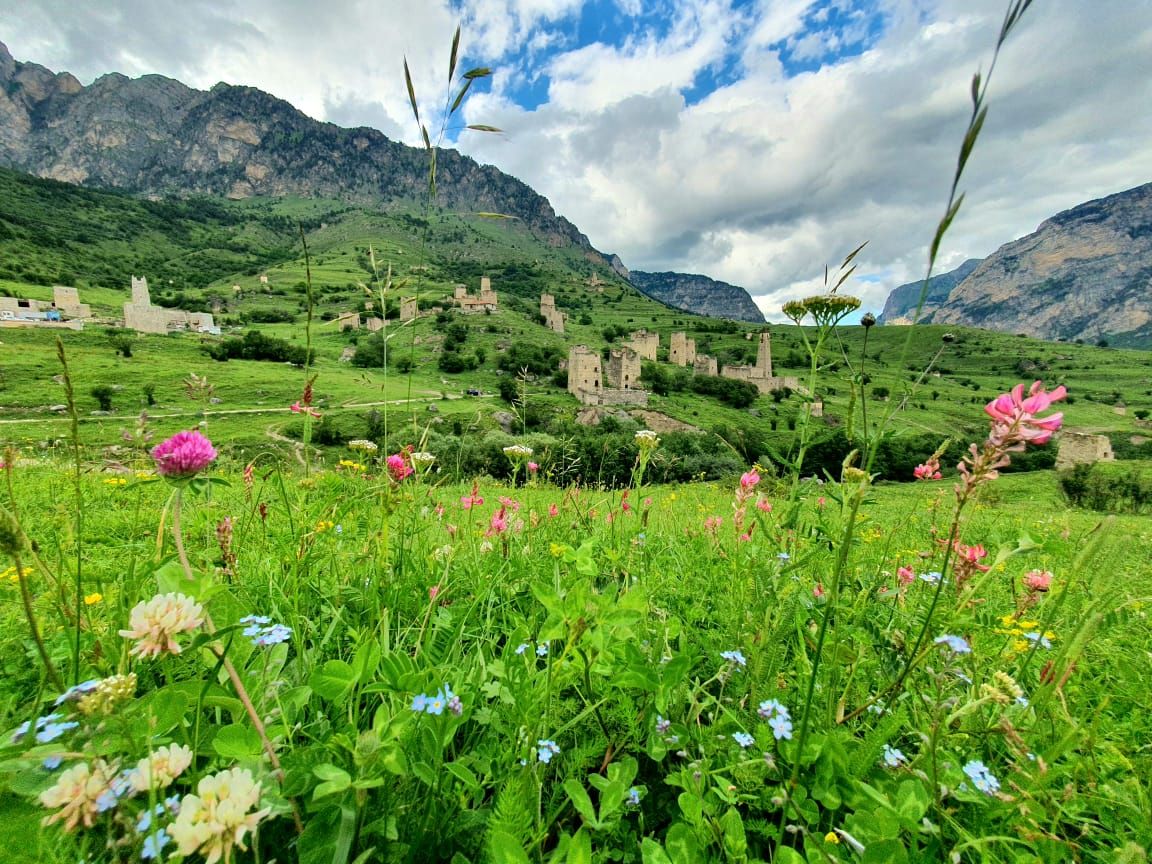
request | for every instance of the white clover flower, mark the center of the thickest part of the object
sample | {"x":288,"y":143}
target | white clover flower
{"x":76,"y":792}
{"x":217,"y":817}
{"x":155,"y":623}
{"x":162,"y":767}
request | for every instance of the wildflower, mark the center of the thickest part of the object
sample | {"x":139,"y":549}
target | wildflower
{"x":154,"y":843}
{"x":156,"y":623}
{"x":542,"y":650}
{"x":217,"y":817}
{"x":981,"y":777}
{"x":51,"y":763}
{"x":763,"y":505}
{"x":184,"y":455}
{"x":435,"y":704}
{"x":1044,"y":639}
{"x":748,"y":480}
{"x":553,"y":510}
{"x":743,"y":739}
{"x":454,"y":703}
{"x":363,"y":445}
{"x":783,"y":556}
{"x":75,"y":793}
{"x":662,"y":725}
{"x":498,"y":524}
{"x":546,"y":749}
{"x":297,"y":408}
{"x":118,"y":787}
{"x":832,"y":837}
{"x":1037,"y":580}
{"x":351,"y":466}
{"x":397,"y":467}
{"x":52,"y":731}
{"x":434,"y":590}
{"x":781,"y":726}
{"x":1014,"y":415}
{"x":107,"y":695}
{"x":273,"y":635}
{"x":633,"y":799}
{"x":419,"y":703}
{"x":894,"y":758}
{"x":533,"y":467}
{"x":522,"y":647}
{"x":905,"y":575}
{"x":160,"y":768}
{"x":646,"y":439}
{"x":771,"y":707}
{"x":76,"y":691}
{"x":324,"y":525}
{"x":421,"y":459}
{"x":734,"y":657}
{"x":955,"y":644}
{"x":518,"y":454}
{"x":930,"y":470}
{"x":932,"y":577}
{"x":473,"y":500}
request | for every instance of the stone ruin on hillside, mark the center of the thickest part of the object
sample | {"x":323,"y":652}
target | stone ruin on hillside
{"x":485,"y":301}
{"x":63,"y":310}
{"x":1080,"y":448}
{"x":645,"y":344}
{"x":140,"y":315}
{"x":553,"y":317}
{"x":682,"y":352}
{"x":613,"y":382}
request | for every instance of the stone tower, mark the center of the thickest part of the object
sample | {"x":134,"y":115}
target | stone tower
{"x":623,"y":369}
{"x":140,"y":294}
{"x":764,"y":356}
{"x":682,"y":350}
{"x":584,"y":372}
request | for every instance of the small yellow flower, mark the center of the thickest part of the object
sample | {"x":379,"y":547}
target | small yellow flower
{"x":1021,"y":645}
{"x":831,"y":837}
{"x":115,"y":481}
{"x":93,"y":598}
{"x":556,"y":549}
{"x":324,"y":525}
{"x":11,"y":575}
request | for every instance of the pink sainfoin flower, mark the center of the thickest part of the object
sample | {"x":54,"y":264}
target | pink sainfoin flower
{"x":553,"y":510}
{"x":930,"y":470}
{"x":763,"y":505}
{"x":473,"y":500}
{"x":297,"y":408}
{"x":968,"y":561}
{"x":498,"y":525}
{"x":1014,"y":424}
{"x":905,"y":576}
{"x":749,"y":479}
{"x":184,"y":455}
{"x":1014,"y":420}
{"x":533,"y":467}
{"x":398,"y":467}
{"x":1037,"y":580}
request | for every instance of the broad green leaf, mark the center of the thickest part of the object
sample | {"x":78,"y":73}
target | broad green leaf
{"x":504,"y":849}
{"x":236,"y":742}
{"x":333,"y":681}
{"x":578,"y":795}
{"x":580,"y":848}
{"x":335,"y":779}
{"x":653,"y":853}
{"x":681,"y":845}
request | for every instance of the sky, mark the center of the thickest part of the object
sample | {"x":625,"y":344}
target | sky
{"x":754,"y":141}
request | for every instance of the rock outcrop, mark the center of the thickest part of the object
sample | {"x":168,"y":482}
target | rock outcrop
{"x":699,"y":294}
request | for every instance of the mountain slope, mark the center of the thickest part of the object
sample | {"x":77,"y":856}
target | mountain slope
{"x":156,"y":136}
{"x":698,"y":294}
{"x":901,"y":303}
{"x":1085,"y":274}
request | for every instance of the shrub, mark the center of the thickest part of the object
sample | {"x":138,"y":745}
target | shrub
{"x":1108,"y":487}
{"x":256,"y":346}
{"x":103,"y":393}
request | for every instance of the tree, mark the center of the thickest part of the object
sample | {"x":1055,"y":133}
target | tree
{"x":103,"y":393}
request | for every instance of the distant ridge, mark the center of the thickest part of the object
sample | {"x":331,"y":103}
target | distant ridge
{"x":699,"y":294}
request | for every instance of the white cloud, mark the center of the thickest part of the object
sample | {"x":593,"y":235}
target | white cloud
{"x":760,"y":182}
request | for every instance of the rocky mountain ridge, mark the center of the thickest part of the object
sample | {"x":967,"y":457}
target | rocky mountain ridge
{"x":699,"y":294}
{"x":1085,"y":273}
{"x":155,"y":136}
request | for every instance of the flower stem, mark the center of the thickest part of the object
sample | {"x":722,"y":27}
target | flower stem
{"x":30,"y":614}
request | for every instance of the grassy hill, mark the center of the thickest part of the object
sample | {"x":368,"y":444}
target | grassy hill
{"x":197,"y":253}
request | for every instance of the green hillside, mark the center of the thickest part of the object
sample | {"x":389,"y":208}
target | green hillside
{"x":197,"y":252}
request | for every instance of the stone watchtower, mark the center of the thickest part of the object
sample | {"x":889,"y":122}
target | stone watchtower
{"x":623,"y":369}
{"x":682,"y":350}
{"x":140,"y":294}
{"x":584,"y":371}
{"x":764,"y":356}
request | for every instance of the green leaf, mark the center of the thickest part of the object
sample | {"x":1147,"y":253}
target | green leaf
{"x":478,"y":72}
{"x":460,"y":96}
{"x":236,"y":742}
{"x":580,"y":849}
{"x":463,"y":774}
{"x":411,"y":91}
{"x":333,"y":681}
{"x":682,"y":845}
{"x":787,"y":855}
{"x":335,"y":779}
{"x":885,"y":852}
{"x":578,"y":795}
{"x":366,"y":661}
{"x":504,"y":849}
{"x":482,"y":127}
{"x":653,"y":853}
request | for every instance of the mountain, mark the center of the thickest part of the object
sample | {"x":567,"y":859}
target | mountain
{"x":1084,"y":274}
{"x":156,"y":137}
{"x":698,"y":294}
{"x":901,"y":304}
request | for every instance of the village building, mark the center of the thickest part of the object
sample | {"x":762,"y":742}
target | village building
{"x":615,"y":383}
{"x":682,"y":350}
{"x":553,"y":317}
{"x":761,"y":374}
{"x":645,"y":344}
{"x":485,"y":301}
{"x":140,"y":315}
{"x":64,"y":310}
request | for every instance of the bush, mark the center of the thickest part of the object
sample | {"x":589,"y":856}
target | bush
{"x":103,"y":393}
{"x":1109,"y":488}
{"x":256,"y":346}
{"x":738,"y":394}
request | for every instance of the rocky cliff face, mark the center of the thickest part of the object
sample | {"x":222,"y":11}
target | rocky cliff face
{"x":699,"y":294}
{"x":900,"y":306}
{"x":155,"y":136}
{"x":1085,"y":274}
